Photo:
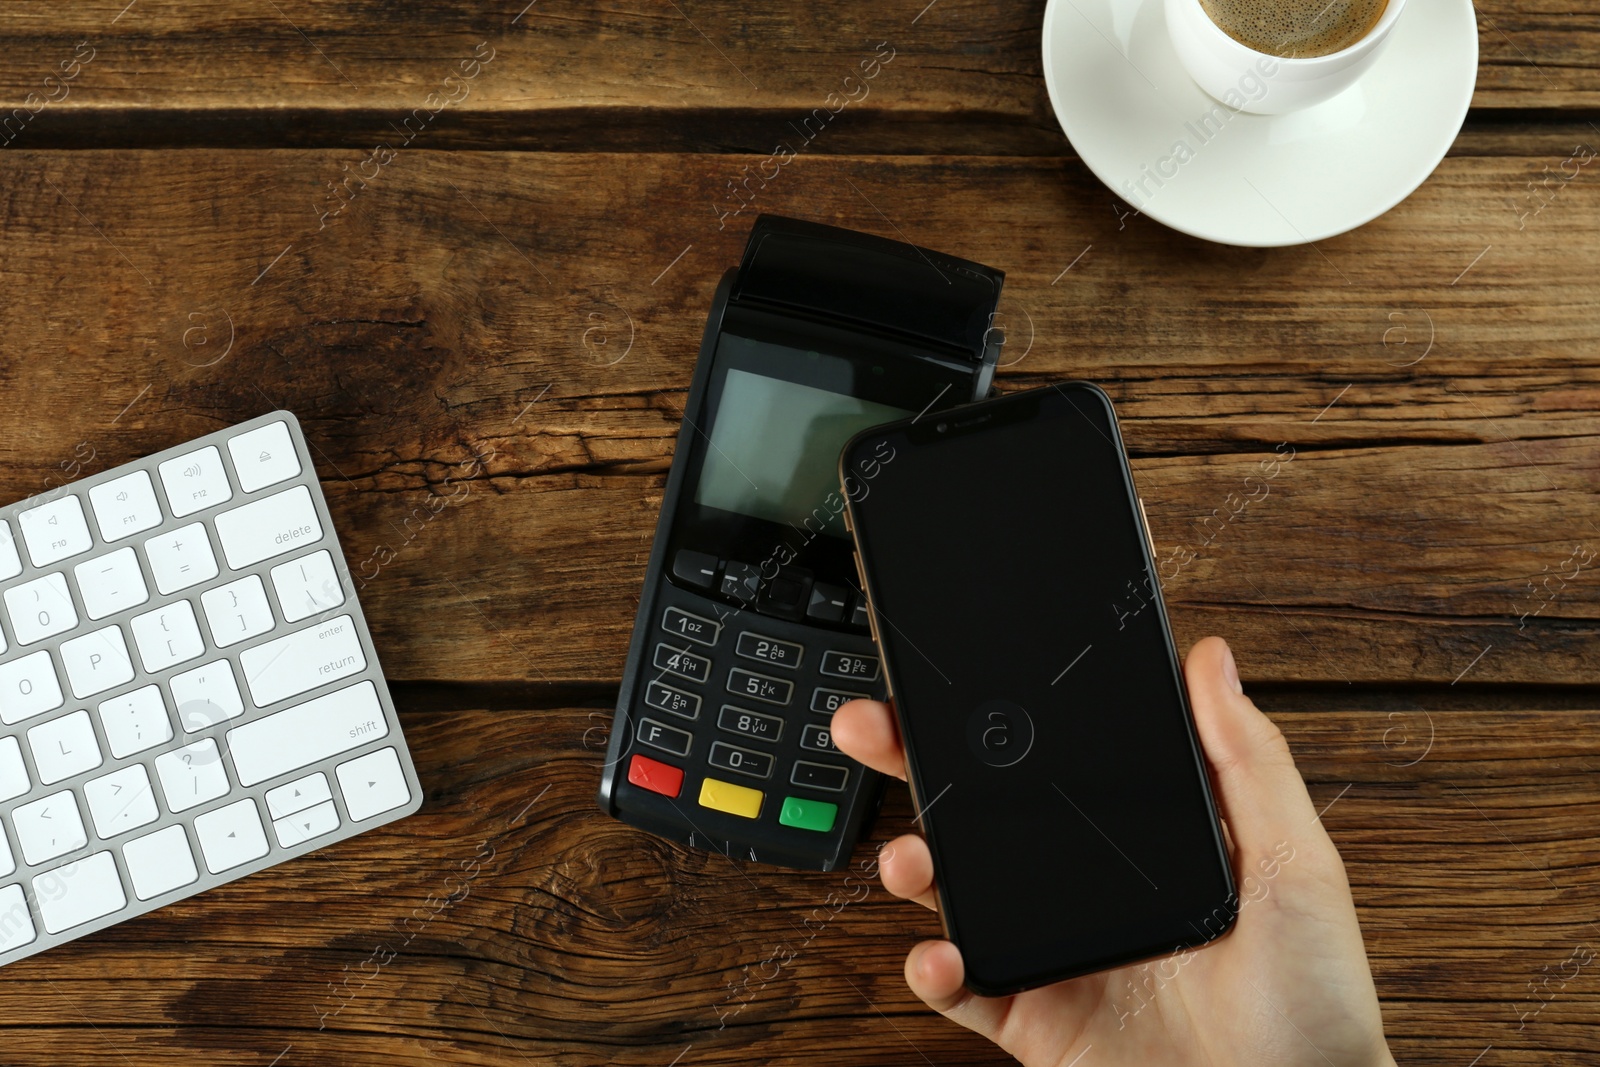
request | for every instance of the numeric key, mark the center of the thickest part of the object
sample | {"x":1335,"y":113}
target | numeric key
{"x":41,"y":608}
{"x":849,"y":665}
{"x":759,"y":687}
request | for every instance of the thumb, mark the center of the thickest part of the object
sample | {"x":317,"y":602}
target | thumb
{"x":1262,"y":795}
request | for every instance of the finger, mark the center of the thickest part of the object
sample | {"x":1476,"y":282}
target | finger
{"x":906,"y":868}
{"x":935,"y":973}
{"x":1262,"y":795}
{"x":865,"y":731}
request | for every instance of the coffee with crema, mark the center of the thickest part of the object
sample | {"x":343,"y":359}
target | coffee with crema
{"x":1295,"y":28}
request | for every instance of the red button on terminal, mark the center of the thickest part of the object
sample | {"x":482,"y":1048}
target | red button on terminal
{"x":655,"y":776}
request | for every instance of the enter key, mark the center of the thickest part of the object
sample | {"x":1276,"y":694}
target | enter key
{"x":303,"y":661}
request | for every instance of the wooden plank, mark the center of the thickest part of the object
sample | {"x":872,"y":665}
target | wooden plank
{"x":712,"y":74}
{"x":511,"y":922}
{"x":491,"y":351}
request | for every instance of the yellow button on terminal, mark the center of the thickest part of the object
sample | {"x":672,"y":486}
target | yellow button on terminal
{"x":733,"y":799}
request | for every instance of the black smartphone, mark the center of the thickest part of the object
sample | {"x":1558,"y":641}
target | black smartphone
{"x":1052,"y":756}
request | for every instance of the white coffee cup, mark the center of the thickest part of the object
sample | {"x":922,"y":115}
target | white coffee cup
{"x":1260,"y":83}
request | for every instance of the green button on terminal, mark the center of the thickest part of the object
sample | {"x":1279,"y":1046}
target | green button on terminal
{"x":815,"y":815}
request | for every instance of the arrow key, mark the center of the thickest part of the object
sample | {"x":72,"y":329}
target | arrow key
{"x":298,"y":795}
{"x":301,"y":827}
{"x":231,"y":836}
{"x":373,"y":784}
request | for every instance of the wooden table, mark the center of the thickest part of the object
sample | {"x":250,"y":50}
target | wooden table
{"x":516,"y":290}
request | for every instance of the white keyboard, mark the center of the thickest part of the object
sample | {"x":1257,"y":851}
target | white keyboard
{"x":188,"y":690}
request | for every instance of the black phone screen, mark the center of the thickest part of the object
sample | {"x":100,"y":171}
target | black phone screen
{"x":1062,"y":788}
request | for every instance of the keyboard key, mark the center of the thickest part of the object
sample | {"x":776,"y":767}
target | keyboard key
{"x":759,"y":686}
{"x":195,"y":482}
{"x":64,"y":747}
{"x":8,"y":863}
{"x":828,"y":701}
{"x":125,"y":506}
{"x":666,"y":698}
{"x":79,"y":892}
{"x":135,"y":721}
{"x":269,"y":527}
{"x":192,"y":775}
{"x":231,"y":836}
{"x":740,"y":581}
{"x":237,"y":611}
{"x":805,"y":814}
{"x":827,"y":603}
{"x":168,"y":635}
{"x":298,"y":795}
{"x":16,"y":921}
{"x":681,"y":623}
{"x":264,"y":456}
{"x":750,"y":723}
{"x":181,"y":558}
{"x":734,"y":799}
{"x":658,"y":777}
{"x":742,"y":760}
{"x":682,"y":662}
{"x":373,"y":784}
{"x":111,"y":583}
{"x":769,"y":650}
{"x":41,"y":608}
{"x":694,"y":568}
{"x":819,"y":776}
{"x":49,"y":827}
{"x":313,"y":731}
{"x":28,"y":687}
{"x":97,"y":661}
{"x":302,"y":661}
{"x":307,"y":586}
{"x":817,"y":739}
{"x":849,"y":665}
{"x":312,"y":823}
{"x":55,"y":531}
{"x":206,"y":696}
{"x":666,"y":738}
{"x":13,"y":773}
{"x":121,"y":801}
{"x":10,"y":562}
{"x":160,"y":862}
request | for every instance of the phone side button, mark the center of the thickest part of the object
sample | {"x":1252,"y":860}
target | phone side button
{"x":655,"y":776}
{"x":1148,"y":535}
{"x":734,"y":799}
{"x":802,"y":814}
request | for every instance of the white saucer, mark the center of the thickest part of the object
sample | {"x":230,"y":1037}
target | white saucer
{"x":1126,"y":102}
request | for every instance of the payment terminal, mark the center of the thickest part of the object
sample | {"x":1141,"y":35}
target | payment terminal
{"x":752,"y":624}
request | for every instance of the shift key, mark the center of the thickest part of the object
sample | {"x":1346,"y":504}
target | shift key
{"x":307,"y":733}
{"x":302,"y":661}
